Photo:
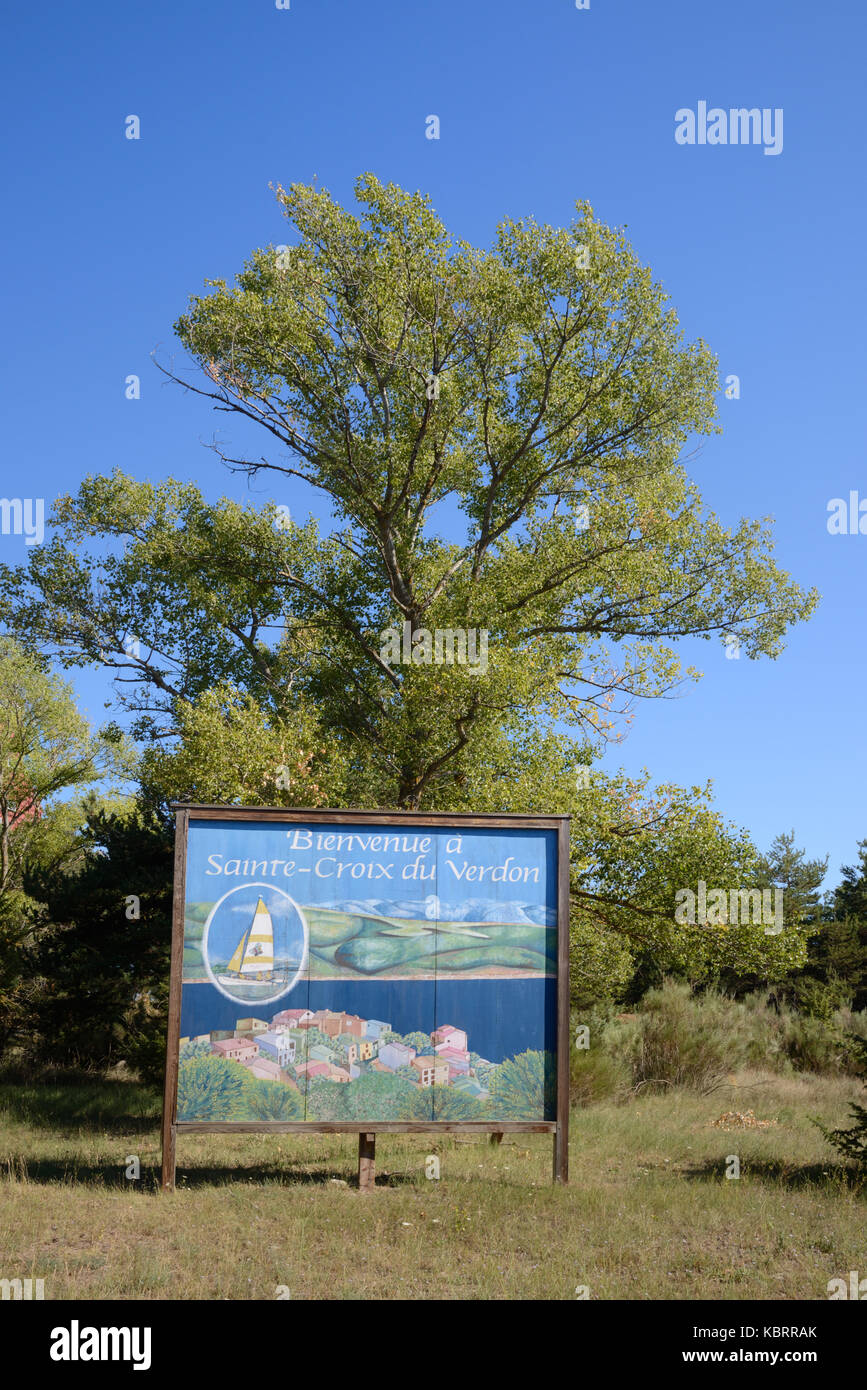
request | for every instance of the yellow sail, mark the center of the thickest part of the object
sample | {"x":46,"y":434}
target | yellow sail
{"x":259,"y":949}
{"x":235,"y":962}
{"x":253,"y":957}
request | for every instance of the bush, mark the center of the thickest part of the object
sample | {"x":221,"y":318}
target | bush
{"x":852,"y":1143}
{"x":812,"y":1044}
{"x":784,"y":1039}
{"x":685,"y":1040}
{"x":144,"y":1051}
{"x":820,"y":998}
{"x":763,"y":1025}
{"x":524,"y":1087}
{"x":100,"y":976}
{"x":601,"y":1070}
{"x":211,"y":1088}
{"x":596,"y":1075}
{"x":852,"y":1025}
{"x":678,"y":1038}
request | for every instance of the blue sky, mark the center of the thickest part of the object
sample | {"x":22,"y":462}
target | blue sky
{"x":540,"y":103}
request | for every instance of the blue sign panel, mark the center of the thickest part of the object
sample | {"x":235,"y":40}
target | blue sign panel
{"x":339,"y":972}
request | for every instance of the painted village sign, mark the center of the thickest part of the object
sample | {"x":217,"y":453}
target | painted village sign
{"x":364,"y":971}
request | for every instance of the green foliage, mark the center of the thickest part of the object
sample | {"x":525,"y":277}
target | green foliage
{"x":524,"y":1088}
{"x":814,"y":1044}
{"x":600,"y":1070}
{"x":211,"y":1088}
{"x":684,"y":1041}
{"x":694,"y":1040}
{"x":386,"y":1097}
{"x":777,"y":1037}
{"x":47,"y":749}
{"x":559,"y":387}
{"x":449,"y":1104}
{"x":233,"y":751}
{"x":852,"y":1142}
{"x":142,"y":1043}
{"x":407,"y":1073}
{"x":822,"y":997}
{"x":103,"y":974}
{"x":274,"y":1100}
{"x":595,"y":1076}
{"x":835,"y":973}
{"x":786,"y":869}
{"x":483,"y":1070}
{"x":633,"y":848}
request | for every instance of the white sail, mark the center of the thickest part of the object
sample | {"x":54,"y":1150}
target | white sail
{"x":259,"y":950}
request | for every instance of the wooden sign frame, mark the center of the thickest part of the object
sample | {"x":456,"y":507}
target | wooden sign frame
{"x":366,"y":1130}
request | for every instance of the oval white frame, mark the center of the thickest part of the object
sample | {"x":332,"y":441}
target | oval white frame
{"x":284,"y":989}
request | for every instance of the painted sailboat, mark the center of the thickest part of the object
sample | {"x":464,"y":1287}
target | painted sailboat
{"x":253,"y":959}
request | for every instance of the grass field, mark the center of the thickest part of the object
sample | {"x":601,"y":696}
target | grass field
{"x":648,"y":1213}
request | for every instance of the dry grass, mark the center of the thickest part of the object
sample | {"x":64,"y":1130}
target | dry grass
{"x":648,"y":1214}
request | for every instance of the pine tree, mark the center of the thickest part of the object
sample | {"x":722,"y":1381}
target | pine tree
{"x":101,"y":960}
{"x":835,"y":974}
{"x":852,"y":1142}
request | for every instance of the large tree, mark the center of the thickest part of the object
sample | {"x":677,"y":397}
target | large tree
{"x":47,"y":751}
{"x":835,"y":973}
{"x":499,"y":433}
{"x":50,"y":759}
{"x":102,"y":947}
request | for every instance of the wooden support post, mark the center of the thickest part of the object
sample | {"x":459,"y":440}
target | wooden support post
{"x":561,"y":1134}
{"x":561,"y":1155}
{"x":497,"y":1137}
{"x":169,"y":1150}
{"x":366,"y":1162}
{"x":170,"y":1093}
